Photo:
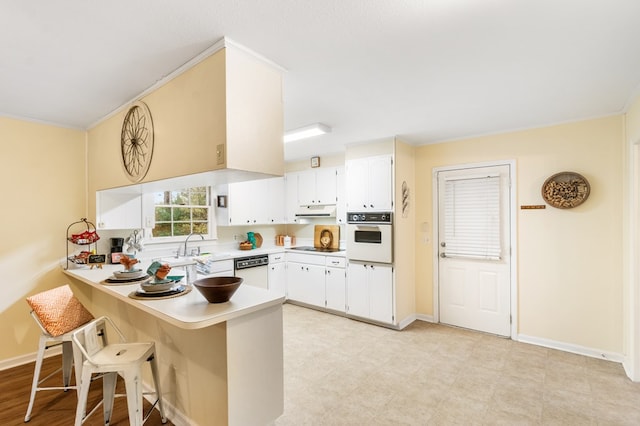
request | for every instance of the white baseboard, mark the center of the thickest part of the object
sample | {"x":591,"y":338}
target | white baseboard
{"x":5,"y":364}
{"x":568,"y":347}
{"x":426,"y":318}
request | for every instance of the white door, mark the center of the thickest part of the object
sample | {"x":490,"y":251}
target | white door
{"x":474,"y":251}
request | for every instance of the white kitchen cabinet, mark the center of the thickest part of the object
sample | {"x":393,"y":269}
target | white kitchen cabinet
{"x":370,"y":184}
{"x":275,"y":201}
{"x":292,"y":204}
{"x":317,"y":280}
{"x":118,"y":210}
{"x":317,"y":187}
{"x":335,"y":284}
{"x":277,"y":274}
{"x":341,"y":195}
{"x":305,"y":283}
{"x":254,"y":202}
{"x":370,"y":291}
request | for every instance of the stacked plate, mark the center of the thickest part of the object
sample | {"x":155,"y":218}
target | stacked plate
{"x":133,"y":274}
{"x":154,"y":286}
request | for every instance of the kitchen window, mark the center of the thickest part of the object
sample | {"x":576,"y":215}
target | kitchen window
{"x":182,"y":212}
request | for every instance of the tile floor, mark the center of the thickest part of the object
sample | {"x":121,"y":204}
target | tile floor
{"x":344,"y":372}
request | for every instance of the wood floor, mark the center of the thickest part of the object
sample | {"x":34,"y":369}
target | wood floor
{"x":56,"y":407}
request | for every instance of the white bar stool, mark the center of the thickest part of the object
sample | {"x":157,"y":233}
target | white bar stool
{"x":58,"y":313}
{"x":111,"y":359}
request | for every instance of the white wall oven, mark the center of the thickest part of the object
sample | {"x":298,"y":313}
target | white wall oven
{"x":370,"y":236}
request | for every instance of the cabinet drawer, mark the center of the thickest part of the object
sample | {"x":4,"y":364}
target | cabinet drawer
{"x":276,"y":257}
{"x":310,"y":259}
{"x":336,"y":262}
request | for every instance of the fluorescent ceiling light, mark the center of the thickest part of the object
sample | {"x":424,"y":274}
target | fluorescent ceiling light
{"x":315,"y":129}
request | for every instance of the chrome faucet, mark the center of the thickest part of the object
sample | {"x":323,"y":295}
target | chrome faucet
{"x":185,"y":244}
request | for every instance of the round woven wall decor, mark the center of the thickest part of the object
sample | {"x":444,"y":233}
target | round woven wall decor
{"x":565,"y":190}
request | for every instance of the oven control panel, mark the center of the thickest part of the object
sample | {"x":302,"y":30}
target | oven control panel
{"x":368,"y":217}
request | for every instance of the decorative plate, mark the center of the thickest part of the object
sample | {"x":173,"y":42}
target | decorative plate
{"x":565,"y":190}
{"x":136,"y":141}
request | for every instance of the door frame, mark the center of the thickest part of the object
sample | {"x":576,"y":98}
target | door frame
{"x":513,"y":283}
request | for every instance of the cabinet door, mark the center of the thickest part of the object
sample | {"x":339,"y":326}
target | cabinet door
{"x":277,"y":278}
{"x":305,"y":283}
{"x":326,"y":185}
{"x":118,"y":210}
{"x":357,"y":290}
{"x":357,"y":185}
{"x":380,"y":184}
{"x":335,"y":288}
{"x":240,"y":203}
{"x":307,"y":189}
{"x":291,"y":197}
{"x":341,"y":193}
{"x":381,"y":293}
{"x":296,"y":276}
{"x":247,"y":201}
{"x":275,"y":200}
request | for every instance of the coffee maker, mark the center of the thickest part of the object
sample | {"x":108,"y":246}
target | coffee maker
{"x":116,"y":247}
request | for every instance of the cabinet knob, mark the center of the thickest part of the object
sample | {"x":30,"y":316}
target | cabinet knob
{"x":371,"y":205}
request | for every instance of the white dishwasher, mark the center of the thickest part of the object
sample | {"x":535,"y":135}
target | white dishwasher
{"x":254,"y":270}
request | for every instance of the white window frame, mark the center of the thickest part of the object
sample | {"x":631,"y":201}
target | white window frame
{"x":210,"y":216}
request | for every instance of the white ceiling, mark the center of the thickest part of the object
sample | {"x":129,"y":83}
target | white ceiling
{"x":424,"y":70}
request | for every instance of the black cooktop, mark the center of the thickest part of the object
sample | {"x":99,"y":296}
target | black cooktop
{"x":309,"y":248}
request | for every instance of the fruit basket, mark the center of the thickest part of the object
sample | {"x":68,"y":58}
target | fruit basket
{"x":87,"y":237}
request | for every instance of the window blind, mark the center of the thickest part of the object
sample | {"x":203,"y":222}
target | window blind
{"x":472,"y":217}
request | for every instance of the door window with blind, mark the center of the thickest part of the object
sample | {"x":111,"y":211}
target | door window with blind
{"x":472,"y":218}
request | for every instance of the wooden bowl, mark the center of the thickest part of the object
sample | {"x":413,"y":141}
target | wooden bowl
{"x":218,"y":289}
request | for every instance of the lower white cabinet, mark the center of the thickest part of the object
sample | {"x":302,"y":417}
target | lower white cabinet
{"x":305,"y":283}
{"x":335,"y":284}
{"x":317,"y":280}
{"x":277,"y":274}
{"x":370,"y":291}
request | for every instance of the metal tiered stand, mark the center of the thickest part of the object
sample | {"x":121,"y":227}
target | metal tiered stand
{"x":87,"y":237}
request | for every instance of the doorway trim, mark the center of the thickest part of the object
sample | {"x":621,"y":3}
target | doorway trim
{"x":513,"y":283}
{"x":631,"y":343}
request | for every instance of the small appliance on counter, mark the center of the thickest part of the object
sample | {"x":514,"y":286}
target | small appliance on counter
{"x":116,"y":247}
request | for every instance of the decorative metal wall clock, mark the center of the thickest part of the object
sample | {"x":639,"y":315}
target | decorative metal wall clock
{"x":566,"y":190}
{"x":136,"y":141}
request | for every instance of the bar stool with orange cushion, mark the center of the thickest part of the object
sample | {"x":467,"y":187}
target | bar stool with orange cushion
{"x":58,"y":313}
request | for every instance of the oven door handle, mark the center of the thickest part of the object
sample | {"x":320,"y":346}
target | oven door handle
{"x":367,"y":228}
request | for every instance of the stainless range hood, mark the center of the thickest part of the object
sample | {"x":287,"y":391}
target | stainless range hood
{"x":317,"y":211}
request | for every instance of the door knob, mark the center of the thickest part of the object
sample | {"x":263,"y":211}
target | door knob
{"x":443,"y":255}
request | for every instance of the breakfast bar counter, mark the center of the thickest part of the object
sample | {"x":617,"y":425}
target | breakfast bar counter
{"x":219,"y":363}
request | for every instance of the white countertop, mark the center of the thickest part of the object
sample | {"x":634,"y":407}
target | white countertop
{"x":234,"y":254}
{"x":189,"y":311}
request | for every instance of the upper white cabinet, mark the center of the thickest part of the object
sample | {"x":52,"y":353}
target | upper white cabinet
{"x":370,"y":184}
{"x":317,"y":186}
{"x":341,"y":194}
{"x":291,"y":197}
{"x":255,"y":202}
{"x":118,"y":210}
{"x":275,"y":200}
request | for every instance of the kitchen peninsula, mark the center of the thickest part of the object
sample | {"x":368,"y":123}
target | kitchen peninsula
{"x":219,"y":363}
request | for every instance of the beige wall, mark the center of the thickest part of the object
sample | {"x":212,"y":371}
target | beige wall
{"x":569,"y":261}
{"x":43,"y":175}
{"x":404,"y":232}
